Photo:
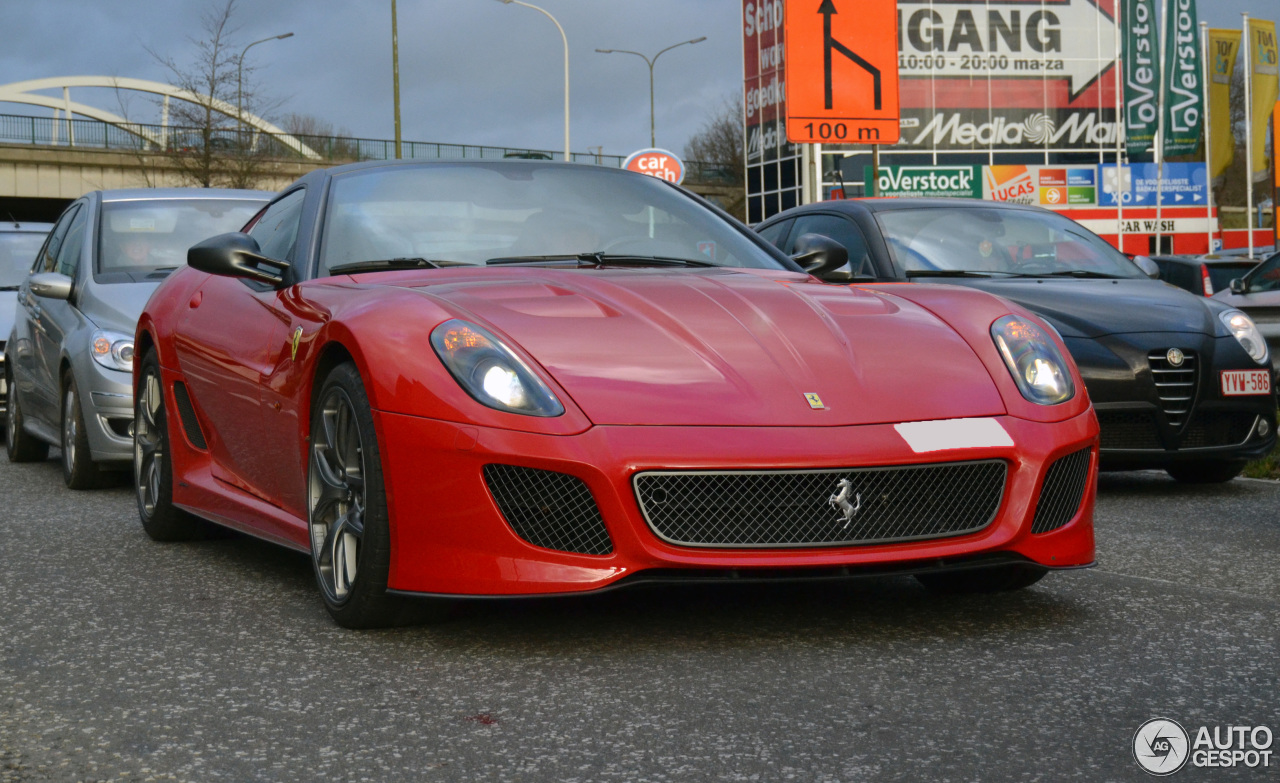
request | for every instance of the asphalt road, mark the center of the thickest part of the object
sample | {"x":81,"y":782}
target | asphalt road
{"x":123,"y":659}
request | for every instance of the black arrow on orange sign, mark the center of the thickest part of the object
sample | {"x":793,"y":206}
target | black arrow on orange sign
{"x":828,"y":9}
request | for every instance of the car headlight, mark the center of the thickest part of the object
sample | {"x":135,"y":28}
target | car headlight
{"x":1246,"y":333}
{"x":490,"y":371}
{"x":112,"y":350}
{"x":1033,"y":360}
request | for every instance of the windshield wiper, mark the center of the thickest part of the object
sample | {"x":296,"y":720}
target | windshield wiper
{"x":1081,"y":273}
{"x":390,"y":263}
{"x":161,"y":271}
{"x":944,"y":273}
{"x":9,"y":287}
{"x":599,"y":260}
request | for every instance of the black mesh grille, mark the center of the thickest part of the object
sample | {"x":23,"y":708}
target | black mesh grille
{"x":549,"y":509}
{"x":190,"y":424}
{"x":800,"y":508}
{"x":1175,"y":386}
{"x":1217,"y":429}
{"x":1062,"y":492}
{"x":1128,"y":430}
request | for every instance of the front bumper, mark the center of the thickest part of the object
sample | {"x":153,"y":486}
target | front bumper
{"x":1144,"y":421}
{"x":106,"y":402}
{"x":449,"y":538}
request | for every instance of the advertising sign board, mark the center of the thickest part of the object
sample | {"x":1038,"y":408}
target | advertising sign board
{"x":929,"y":181}
{"x":656,"y":163}
{"x":1184,"y":185}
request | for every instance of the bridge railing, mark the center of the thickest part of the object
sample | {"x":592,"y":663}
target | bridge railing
{"x":150,"y":138}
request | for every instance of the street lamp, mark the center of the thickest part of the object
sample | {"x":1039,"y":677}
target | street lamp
{"x":395,"y":73}
{"x":240,"y":74}
{"x":566,"y":68}
{"x":652,"y":139}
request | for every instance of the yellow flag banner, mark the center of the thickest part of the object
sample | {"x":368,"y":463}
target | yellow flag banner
{"x":1224,"y":45}
{"x":1263,"y":59}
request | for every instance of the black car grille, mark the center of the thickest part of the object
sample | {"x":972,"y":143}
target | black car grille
{"x":549,"y":509}
{"x":1128,"y":430}
{"x":1175,"y":386}
{"x":1210,"y":429}
{"x":1063,"y":489}
{"x":798,"y":508}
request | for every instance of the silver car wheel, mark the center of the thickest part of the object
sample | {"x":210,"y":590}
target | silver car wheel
{"x":70,"y":429}
{"x":336,"y":495}
{"x":148,"y":444}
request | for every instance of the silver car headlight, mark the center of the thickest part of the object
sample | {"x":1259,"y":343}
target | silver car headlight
{"x":1246,"y":333}
{"x":490,"y":371}
{"x":112,"y":350}
{"x":1035,"y":363}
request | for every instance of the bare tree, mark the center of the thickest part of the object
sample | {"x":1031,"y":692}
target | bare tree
{"x":719,"y":147}
{"x":320,"y":135}
{"x":210,"y":148}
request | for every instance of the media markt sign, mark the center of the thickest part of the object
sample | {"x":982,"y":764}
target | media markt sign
{"x":929,"y":181}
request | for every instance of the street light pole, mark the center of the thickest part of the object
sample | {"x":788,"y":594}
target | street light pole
{"x":395,"y":73}
{"x":565,"y":38}
{"x":240,"y":74}
{"x":653,"y":142}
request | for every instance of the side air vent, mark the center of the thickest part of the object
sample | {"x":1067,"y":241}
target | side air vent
{"x":549,"y":509}
{"x":1063,"y":489}
{"x":187,"y":412}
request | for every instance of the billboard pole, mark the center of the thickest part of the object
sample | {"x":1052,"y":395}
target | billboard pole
{"x":1159,"y":146}
{"x":1248,"y":132}
{"x":1208,"y":155}
{"x":1119,"y":71}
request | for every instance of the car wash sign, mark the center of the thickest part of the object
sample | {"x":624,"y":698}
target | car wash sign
{"x":656,"y":163}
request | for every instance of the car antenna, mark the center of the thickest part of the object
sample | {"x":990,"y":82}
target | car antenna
{"x":13,"y":220}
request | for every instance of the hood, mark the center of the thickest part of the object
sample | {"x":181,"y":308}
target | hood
{"x":115,"y":306}
{"x":1093,"y":308}
{"x":728,"y":347}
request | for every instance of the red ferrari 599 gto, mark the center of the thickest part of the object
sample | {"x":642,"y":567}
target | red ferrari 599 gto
{"x":522,"y":378}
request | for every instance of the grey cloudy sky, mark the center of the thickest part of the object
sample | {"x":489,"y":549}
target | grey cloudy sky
{"x":472,"y":71}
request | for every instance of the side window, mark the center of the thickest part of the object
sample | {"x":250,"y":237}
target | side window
{"x":777,"y":233}
{"x":72,"y":244}
{"x":47,"y":261}
{"x":841,"y":230}
{"x":277,"y":230}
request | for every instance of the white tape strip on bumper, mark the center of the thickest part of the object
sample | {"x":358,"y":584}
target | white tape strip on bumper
{"x":926,"y":436}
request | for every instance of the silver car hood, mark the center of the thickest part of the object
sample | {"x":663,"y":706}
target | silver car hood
{"x":115,"y":306}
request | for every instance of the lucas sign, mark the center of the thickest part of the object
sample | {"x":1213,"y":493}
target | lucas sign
{"x":656,"y":163}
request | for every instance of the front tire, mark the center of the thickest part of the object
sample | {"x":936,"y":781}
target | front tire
{"x":995,"y":579}
{"x":21,"y":446}
{"x":347,"y":511}
{"x":153,"y":464}
{"x":79,"y":471}
{"x":1206,"y":471}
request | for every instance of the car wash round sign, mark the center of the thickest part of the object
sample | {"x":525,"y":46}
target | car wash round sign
{"x":656,"y":163}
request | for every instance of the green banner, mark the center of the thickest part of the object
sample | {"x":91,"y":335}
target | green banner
{"x":928,"y":181}
{"x":1183,"y":80}
{"x":1141,"y":75}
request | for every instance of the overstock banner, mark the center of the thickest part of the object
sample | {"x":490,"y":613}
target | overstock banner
{"x":1183,"y":98}
{"x":1266,"y":86}
{"x":1224,"y":45}
{"x":928,"y":181}
{"x":1141,"y":59}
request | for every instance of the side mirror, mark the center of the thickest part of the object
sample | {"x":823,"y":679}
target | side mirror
{"x":50,"y":285}
{"x":1147,"y":265}
{"x":1239,"y":286}
{"x":236,"y":255}
{"x":818,"y":255}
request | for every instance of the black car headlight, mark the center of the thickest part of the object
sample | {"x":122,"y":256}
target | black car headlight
{"x":1246,"y":333}
{"x":490,"y":371}
{"x":1033,"y":360}
{"x":112,"y":350}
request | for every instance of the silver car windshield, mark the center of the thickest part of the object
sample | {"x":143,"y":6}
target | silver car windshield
{"x":518,"y":213}
{"x":18,"y":251}
{"x":1000,"y":242}
{"x":138,"y":237}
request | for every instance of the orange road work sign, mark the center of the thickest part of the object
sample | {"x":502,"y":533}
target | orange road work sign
{"x":842,"y":71}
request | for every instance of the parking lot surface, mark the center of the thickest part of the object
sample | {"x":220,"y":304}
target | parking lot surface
{"x":123,"y":659}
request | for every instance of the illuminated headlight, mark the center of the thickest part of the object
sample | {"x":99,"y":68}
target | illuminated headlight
{"x":1242,"y":328}
{"x":112,"y":350}
{"x":1033,"y":360}
{"x":490,"y":371}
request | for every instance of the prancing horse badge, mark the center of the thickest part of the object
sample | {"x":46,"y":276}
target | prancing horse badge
{"x":293,"y":344}
{"x":815,"y":401}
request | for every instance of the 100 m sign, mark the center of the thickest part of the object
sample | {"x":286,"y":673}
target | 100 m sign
{"x":840,"y":131}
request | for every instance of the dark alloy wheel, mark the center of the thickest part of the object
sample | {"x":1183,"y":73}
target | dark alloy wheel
{"x":79,"y":471}
{"x":996,"y":579}
{"x":350,"y":538}
{"x":21,"y":446}
{"x":1206,"y":471}
{"x":153,"y":465}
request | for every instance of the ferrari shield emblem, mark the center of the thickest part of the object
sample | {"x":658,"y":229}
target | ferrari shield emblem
{"x":293,"y":344}
{"x":815,"y":401}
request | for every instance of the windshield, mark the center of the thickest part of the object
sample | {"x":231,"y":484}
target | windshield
{"x":138,"y":237}
{"x":18,"y":251}
{"x":998,"y":241}
{"x":517,"y":212}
